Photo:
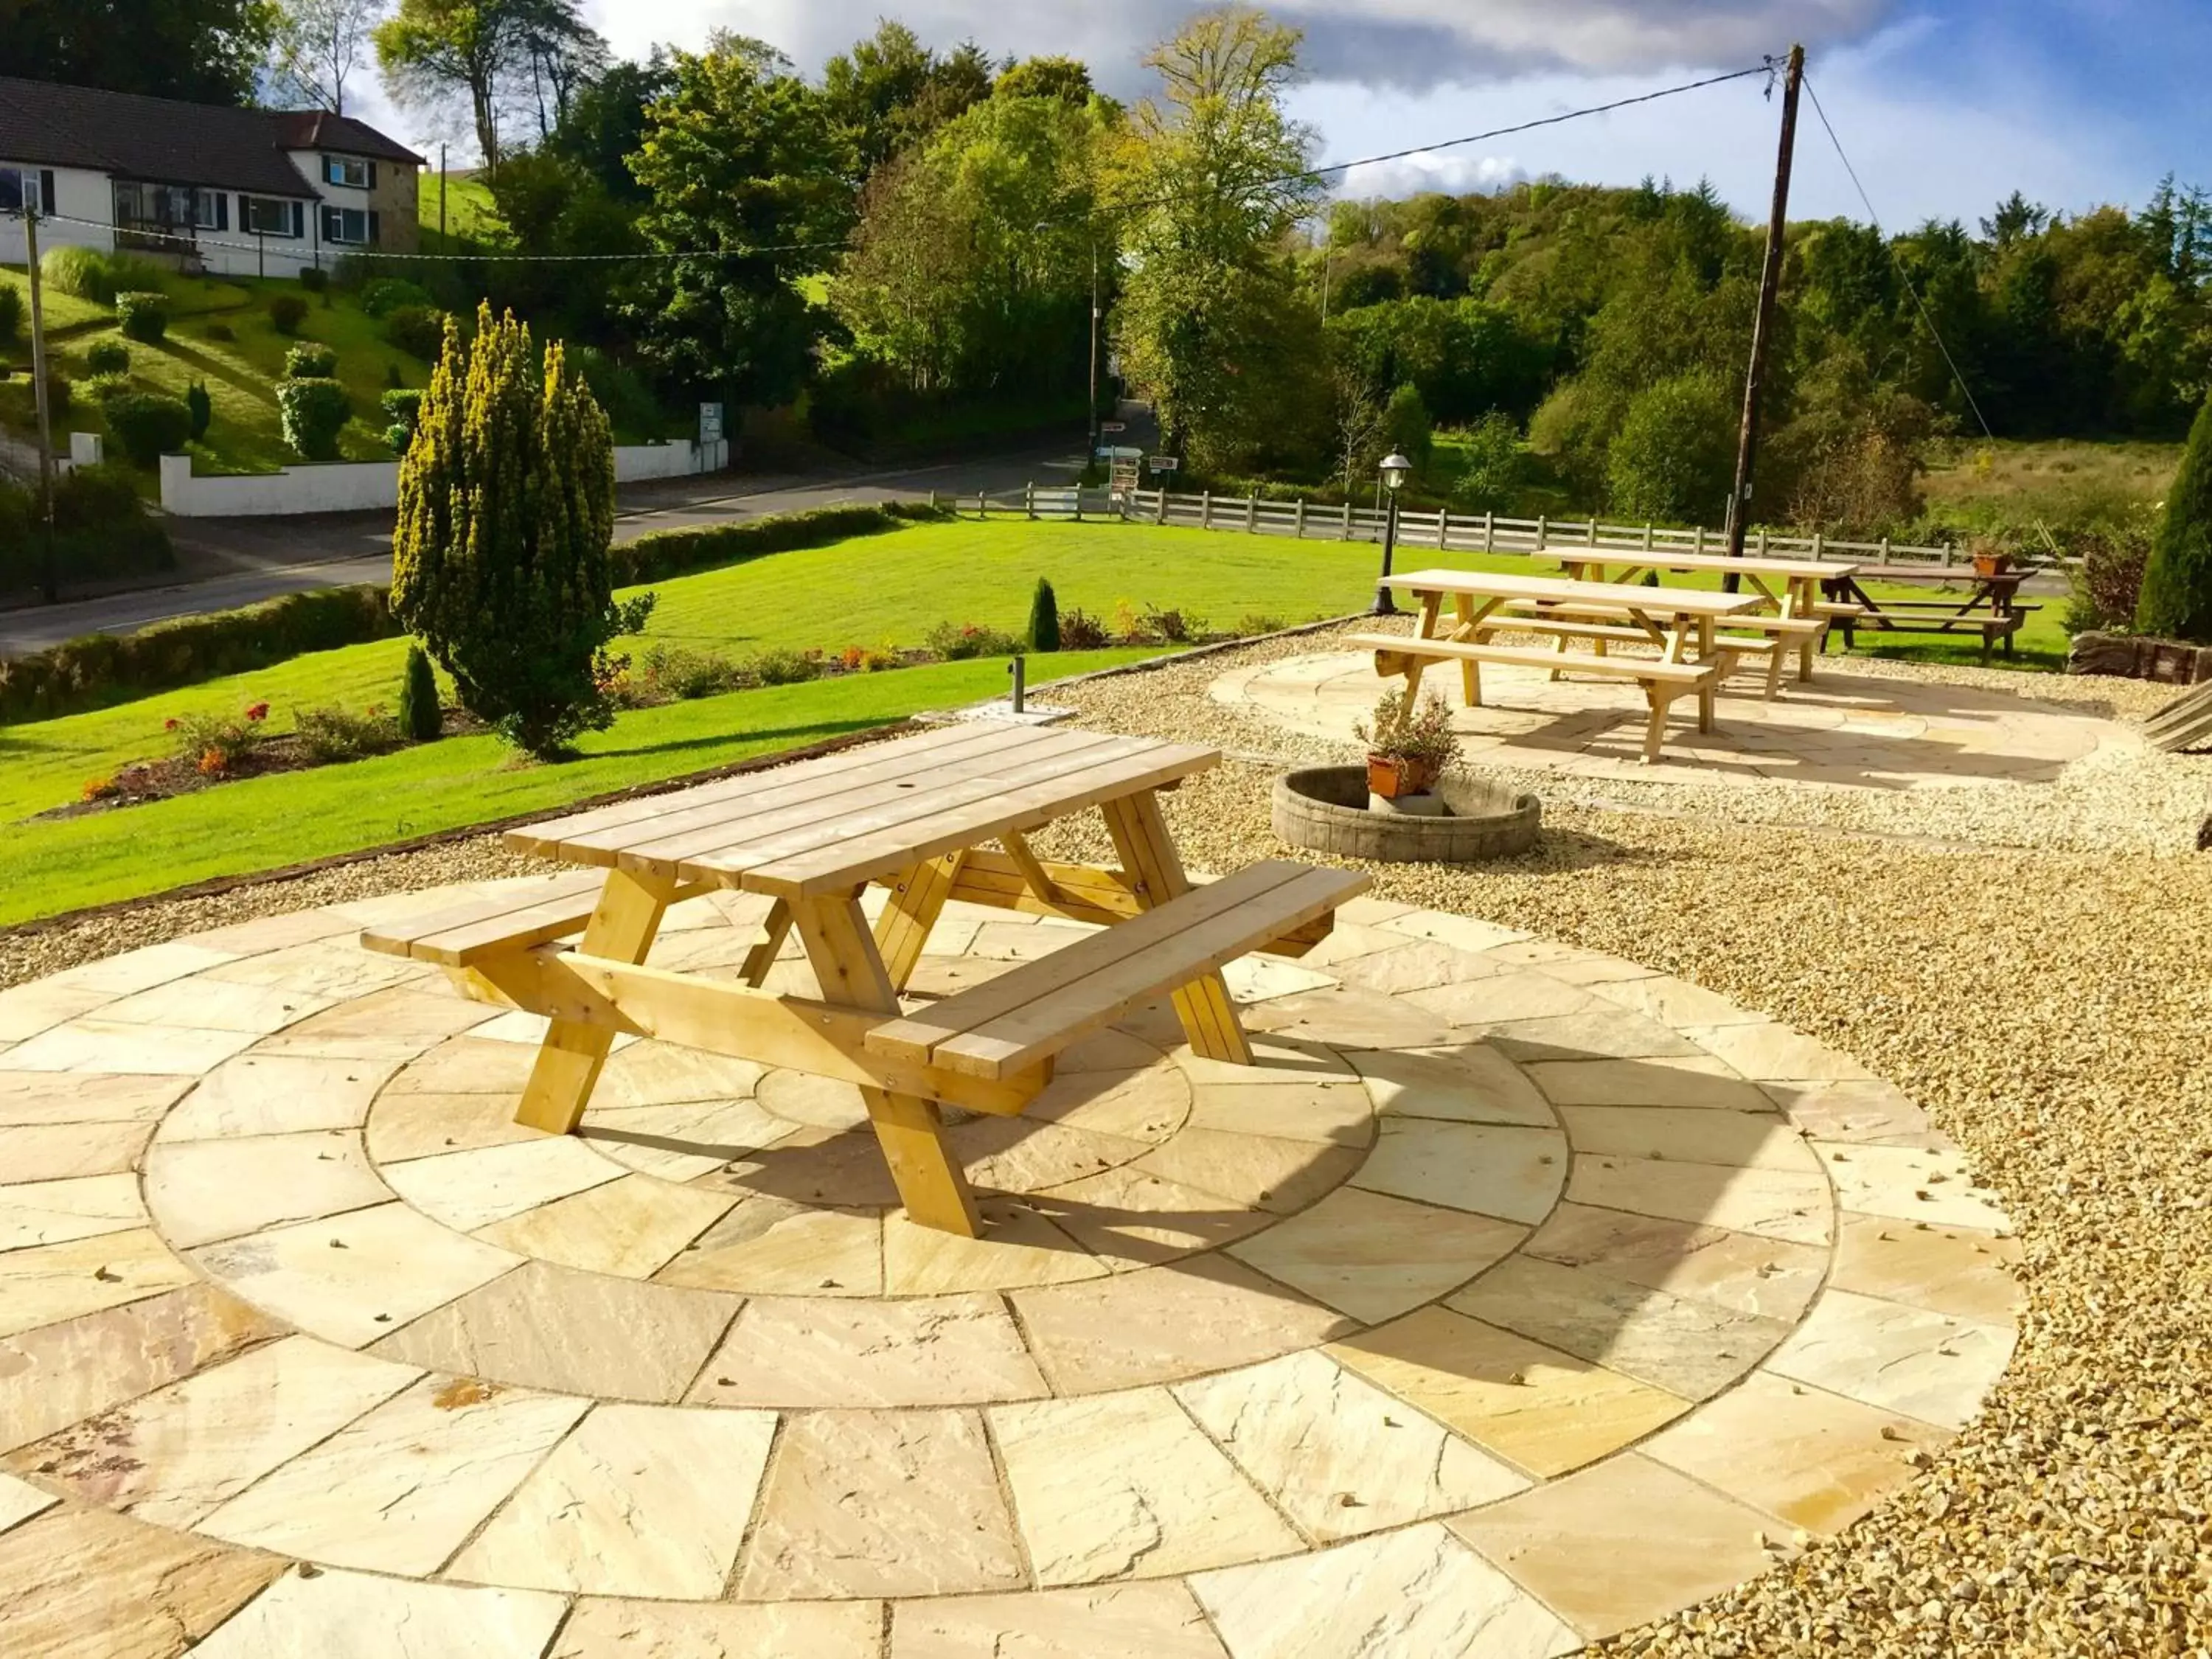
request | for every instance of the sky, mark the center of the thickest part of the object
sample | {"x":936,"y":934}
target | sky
{"x":1943,"y":106}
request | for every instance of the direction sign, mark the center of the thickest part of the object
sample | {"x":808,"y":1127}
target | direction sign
{"x":1113,"y":426}
{"x":1165,"y":463}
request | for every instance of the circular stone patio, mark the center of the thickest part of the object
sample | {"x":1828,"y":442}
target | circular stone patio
{"x":1518,"y":1296}
{"x":1843,"y":730}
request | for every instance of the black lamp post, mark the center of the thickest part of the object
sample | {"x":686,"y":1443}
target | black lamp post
{"x":1395,"y":469}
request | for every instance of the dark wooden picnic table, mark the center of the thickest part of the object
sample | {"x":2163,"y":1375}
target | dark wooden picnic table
{"x":1991,"y":607}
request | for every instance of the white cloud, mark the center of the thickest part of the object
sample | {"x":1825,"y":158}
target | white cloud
{"x":1456,"y":173}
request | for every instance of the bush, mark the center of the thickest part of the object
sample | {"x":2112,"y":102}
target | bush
{"x":60,"y":393}
{"x":146,"y":426}
{"x":1492,"y":474}
{"x":95,"y":498}
{"x":1170,"y":627}
{"x":107,"y":357}
{"x":382,"y":295}
{"x":2177,"y":588}
{"x":661,"y":553}
{"x":1044,"y":617}
{"x":671,"y":673}
{"x":960,"y":643}
{"x":418,"y":331}
{"x":86,"y":273}
{"x":11,"y":312}
{"x":420,"y":719}
{"x":1081,"y":631}
{"x":142,"y":315}
{"x":314,"y":412}
{"x":2108,"y":577}
{"x":219,"y":332}
{"x":102,"y":389}
{"x":315,"y":280}
{"x":213,"y":745}
{"x":402,"y":408}
{"x":621,"y":391}
{"x":785,"y":667}
{"x":311,"y":362}
{"x":333,"y":734}
{"x":202,"y":407}
{"x":1673,"y":460}
{"x":286,"y":313}
{"x":1251,"y":626}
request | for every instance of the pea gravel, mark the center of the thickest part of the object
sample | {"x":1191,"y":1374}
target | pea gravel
{"x":2049,"y":1004}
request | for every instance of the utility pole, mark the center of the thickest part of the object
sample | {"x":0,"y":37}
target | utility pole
{"x":1762,"y":330}
{"x":1095,"y":432}
{"x":51,"y":578}
{"x":441,"y":192}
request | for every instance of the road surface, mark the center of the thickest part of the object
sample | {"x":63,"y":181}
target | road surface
{"x":234,"y":562}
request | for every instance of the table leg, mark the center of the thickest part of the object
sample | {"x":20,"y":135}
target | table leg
{"x":902,"y":930}
{"x":1148,"y":855}
{"x":1470,"y":671}
{"x":763,"y":956}
{"x":1710,"y":691}
{"x":908,"y":1128}
{"x":571,"y":1057}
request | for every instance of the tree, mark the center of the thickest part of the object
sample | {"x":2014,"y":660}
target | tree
{"x":1672,"y":460}
{"x":1068,"y":79}
{"x":1044,"y":617}
{"x":318,"y":45}
{"x":2177,"y":590}
{"x":499,"y":550}
{"x":420,"y":719}
{"x":1492,"y":467}
{"x":1212,"y":177}
{"x":434,"y":49}
{"x":208,"y":51}
{"x":604,"y":124}
{"x":747,"y":174}
{"x":890,"y":92}
{"x":559,"y":51}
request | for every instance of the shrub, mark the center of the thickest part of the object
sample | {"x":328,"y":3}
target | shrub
{"x":960,"y":643}
{"x":1044,"y":617}
{"x":1492,"y":470}
{"x":202,"y":407}
{"x":104,"y":388}
{"x":80,"y":272}
{"x":311,"y":362}
{"x":146,"y":426}
{"x":108,"y":358}
{"x":314,"y":412}
{"x":1252,"y":626}
{"x":60,"y":393}
{"x":142,"y":315}
{"x":2107,"y":578}
{"x":661,"y":553}
{"x":1171,"y":627}
{"x":95,"y":498}
{"x":1674,"y":459}
{"x":315,"y":280}
{"x":402,"y":408}
{"x":11,"y":312}
{"x":1081,"y":631}
{"x":420,"y":719}
{"x":219,"y":332}
{"x":499,"y":550}
{"x":333,"y":734}
{"x":1403,"y":732}
{"x":213,"y":745}
{"x":621,"y":391}
{"x":286,"y":313}
{"x":672,"y":673}
{"x":392,"y":378}
{"x":382,"y":295}
{"x":785,"y":667}
{"x":418,"y":331}
{"x":2177,"y":587}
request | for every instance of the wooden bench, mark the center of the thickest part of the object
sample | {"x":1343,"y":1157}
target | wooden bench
{"x":1026,"y":1016}
{"x":466,"y":934}
{"x":1803,"y":632}
{"x":1662,"y":681}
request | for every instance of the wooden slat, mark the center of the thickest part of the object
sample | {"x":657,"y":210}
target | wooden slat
{"x":568,"y":1062}
{"x":719,"y":853}
{"x":916,"y":897}
{"x":1078,"y":890}
{"x":1660,"y":559}
{"x":1483,"y":585}
{"x":803,"y":795}
{"x":1202,"y":1005}
{"x":567,"y":898}
{"x":1632,"y":668}
{"x":544,"y":838}
{"x":2183,"y":724}
{"x":854,"y":859}
{"x":1039,"y":1028}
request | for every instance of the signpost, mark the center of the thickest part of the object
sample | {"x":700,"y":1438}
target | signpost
{"x":1113,"y":426}
{"x":711,"y":454}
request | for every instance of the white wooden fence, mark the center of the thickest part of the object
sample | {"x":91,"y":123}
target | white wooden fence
{"x":1440,"y":532}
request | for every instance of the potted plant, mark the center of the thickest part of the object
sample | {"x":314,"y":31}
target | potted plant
{"x":1991,"y":558}
{"x":1409,"y":744}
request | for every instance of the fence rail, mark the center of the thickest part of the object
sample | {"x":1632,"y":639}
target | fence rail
{"x":1442,"y":531}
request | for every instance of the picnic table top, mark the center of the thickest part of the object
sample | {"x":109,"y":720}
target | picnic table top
{"x":1492,"y":585}
{"x":1752,"y":565}
{"x":833,"y":824}
{"x":1926,"y":573}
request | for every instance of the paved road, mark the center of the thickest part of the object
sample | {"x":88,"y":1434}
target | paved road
{"x":234,"y":562}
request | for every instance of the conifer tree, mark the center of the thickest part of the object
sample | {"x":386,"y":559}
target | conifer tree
{"x":1044,"y":618}
{"x":499,"y":551}
{"x":2177,"y":590}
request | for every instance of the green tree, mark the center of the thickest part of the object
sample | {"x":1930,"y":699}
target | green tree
{"x":319,"y":45}
{"x":420,"y":719}
{"x":433,"y":50}
{"x":1068,"y":79}
{"x":2177,"y":590}
{"x":605,"y":123}
{"x":1674,"y":458}
{"x":500,"y":550}
{"x":1407,"y":428}
{"x":890,"y":92}
{"x":1044,"y":617}
{"x":1493,"y":468}
{"x":746,"y":172}
{"x":1212,"y":179}
{"x":206,"y":51}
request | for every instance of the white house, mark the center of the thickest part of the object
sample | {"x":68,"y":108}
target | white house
{"x":239,"y":192}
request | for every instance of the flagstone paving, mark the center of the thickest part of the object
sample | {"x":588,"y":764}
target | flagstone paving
{"x":1517,"y":1296}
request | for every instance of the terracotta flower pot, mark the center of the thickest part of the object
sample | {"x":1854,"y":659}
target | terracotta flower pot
{"x":1391,"y":776}
{"x":1992,"y":564}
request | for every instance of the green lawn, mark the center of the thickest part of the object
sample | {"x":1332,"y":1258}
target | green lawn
{"x":470,"y":214}
{"x":265,"y":823}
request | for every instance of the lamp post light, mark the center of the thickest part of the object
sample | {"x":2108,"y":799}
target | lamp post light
{"x":1395,"y":470}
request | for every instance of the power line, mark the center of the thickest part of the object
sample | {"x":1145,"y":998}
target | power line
{"x":1904,"y":275}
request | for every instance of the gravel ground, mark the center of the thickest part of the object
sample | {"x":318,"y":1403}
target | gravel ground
{"x":2056,"y":1022}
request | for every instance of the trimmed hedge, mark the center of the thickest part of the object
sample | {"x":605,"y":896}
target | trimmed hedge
{"x":418,"y":331}
{"x":311,"y":362}
{"x":313,"y":413}
{"x":146,"y":426}
{"x":99,"y":670}
{"x":101,"y":531}
{"x":106,"y":356}
{"x":142,"y":315}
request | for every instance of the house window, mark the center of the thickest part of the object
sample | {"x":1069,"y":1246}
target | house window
{"x":155,"y":212}
{"x":211,"y":210}
{"x":344,"y":226}
{"x":349,"y":170}
{"x":26,"y":188}
{"x":265,"y":216}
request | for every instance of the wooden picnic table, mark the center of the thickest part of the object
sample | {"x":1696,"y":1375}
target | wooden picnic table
{"x":1793,"y":607}
{"x":917,"y":816}
{"x":1991,"y":609}
{"x":1679,"y":621}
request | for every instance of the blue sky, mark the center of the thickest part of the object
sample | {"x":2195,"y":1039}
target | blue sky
{"x":1944,"y":105}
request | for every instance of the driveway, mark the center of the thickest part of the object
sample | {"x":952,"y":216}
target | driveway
{"x":226,"y":562}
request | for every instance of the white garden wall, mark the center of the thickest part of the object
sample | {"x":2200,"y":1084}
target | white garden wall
{"x":367,"y":486}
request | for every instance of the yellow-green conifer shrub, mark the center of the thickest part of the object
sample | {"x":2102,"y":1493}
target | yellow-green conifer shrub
{"x":500,"y":550}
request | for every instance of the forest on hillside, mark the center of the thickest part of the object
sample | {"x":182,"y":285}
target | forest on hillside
{"x":907,"y":244}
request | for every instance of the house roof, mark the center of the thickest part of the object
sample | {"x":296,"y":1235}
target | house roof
{"x":165,"y":141}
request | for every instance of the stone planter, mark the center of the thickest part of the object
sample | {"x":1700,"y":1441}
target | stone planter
{"x":1324,"y":808}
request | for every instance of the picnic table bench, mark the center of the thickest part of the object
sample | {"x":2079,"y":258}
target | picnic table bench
{"x":1991,"y":609}
{"x":913,"y":815}
{"x":1679,"y":620}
